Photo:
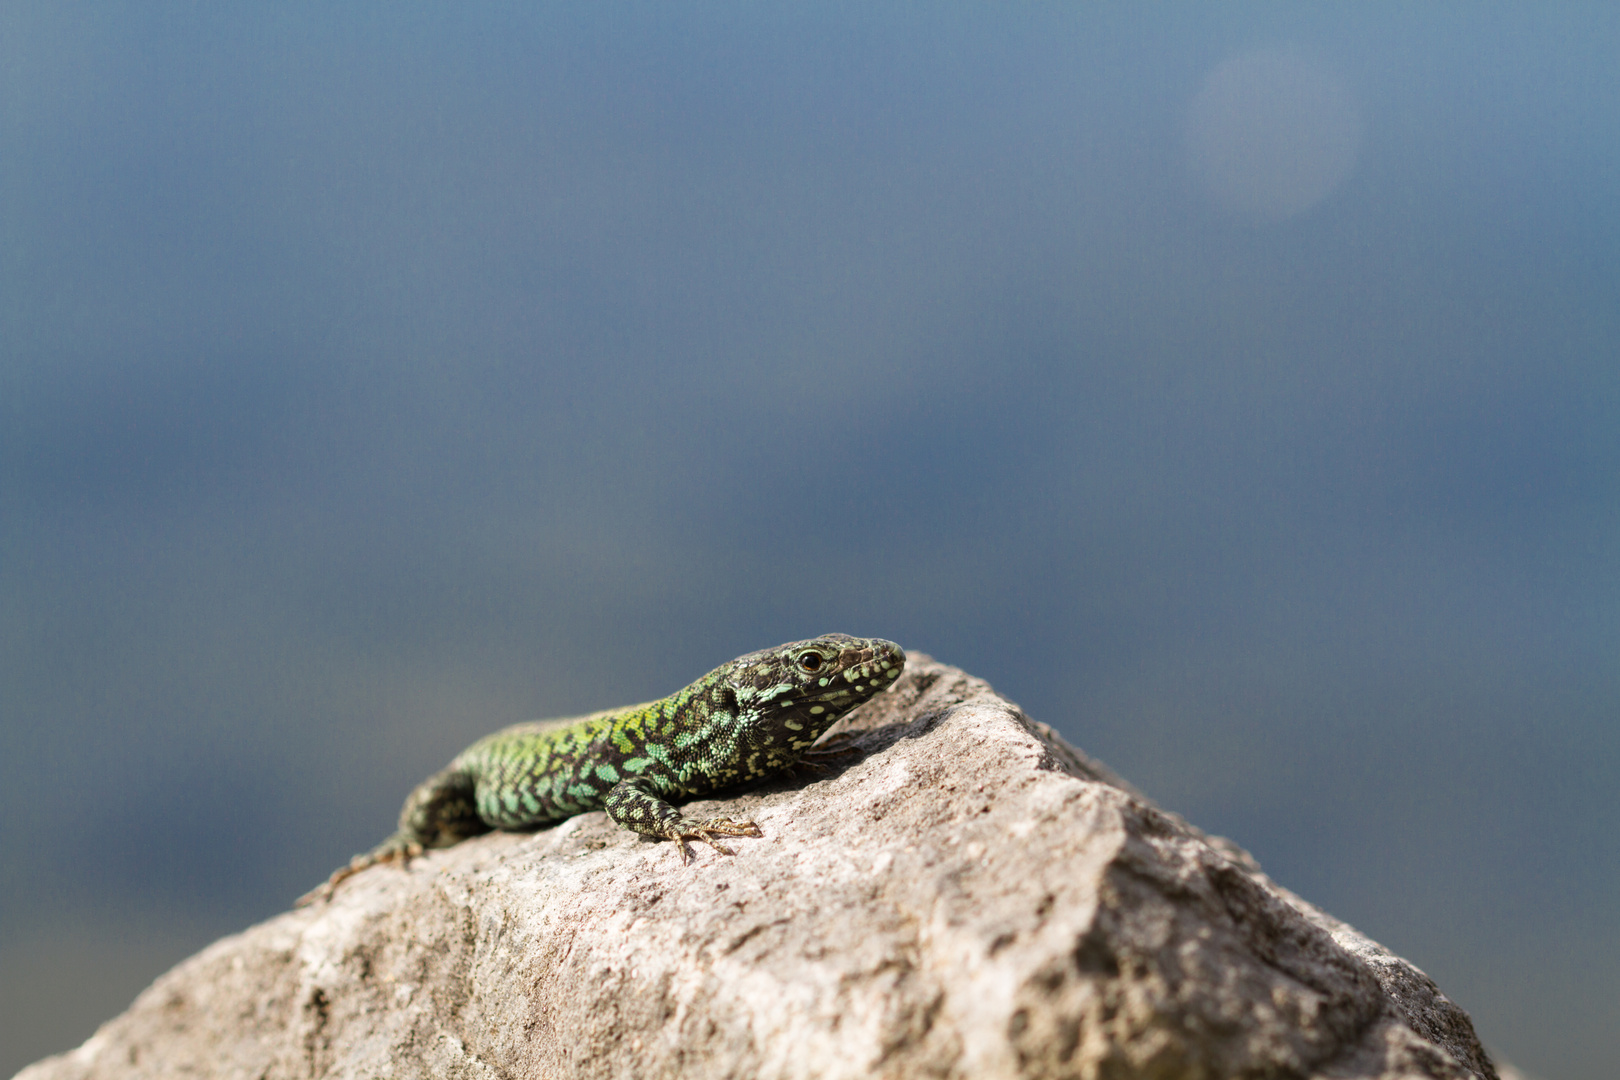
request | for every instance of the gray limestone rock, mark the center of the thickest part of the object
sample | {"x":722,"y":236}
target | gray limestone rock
{"x":966,"y":896}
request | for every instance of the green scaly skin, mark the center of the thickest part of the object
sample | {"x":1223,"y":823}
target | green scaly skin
{"x":742,"y":722}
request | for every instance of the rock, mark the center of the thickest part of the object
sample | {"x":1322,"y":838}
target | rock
{"x":968,"y":896}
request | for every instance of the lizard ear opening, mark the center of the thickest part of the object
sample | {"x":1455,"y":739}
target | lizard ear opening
{"x":724,"y":699}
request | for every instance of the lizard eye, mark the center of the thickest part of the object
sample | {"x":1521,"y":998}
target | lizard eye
{"x":810,"y":661}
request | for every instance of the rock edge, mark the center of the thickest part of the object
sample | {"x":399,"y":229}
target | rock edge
{"x":969,"y":897}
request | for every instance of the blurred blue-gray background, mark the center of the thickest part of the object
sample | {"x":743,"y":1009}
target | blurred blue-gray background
{"x":1237,"y":388}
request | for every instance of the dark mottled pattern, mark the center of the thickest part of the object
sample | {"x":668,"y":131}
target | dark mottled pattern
{"x":743,"y":721}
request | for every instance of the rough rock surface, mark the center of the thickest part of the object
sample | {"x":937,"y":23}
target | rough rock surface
{"x":968,"y":896}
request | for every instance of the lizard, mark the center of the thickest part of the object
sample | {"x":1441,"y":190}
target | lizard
{"x":746,"y":720}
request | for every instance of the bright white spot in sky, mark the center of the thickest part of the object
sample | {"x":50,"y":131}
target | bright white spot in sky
{"x":1272,"y":133}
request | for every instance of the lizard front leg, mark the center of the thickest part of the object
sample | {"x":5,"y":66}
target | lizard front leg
{"x":633,"y":804}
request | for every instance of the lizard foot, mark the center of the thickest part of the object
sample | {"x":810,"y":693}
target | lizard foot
{"x":707,"y":831}
{"x":840,"y":747}
{"x":824,"y":759}
{"x":401,"y":853}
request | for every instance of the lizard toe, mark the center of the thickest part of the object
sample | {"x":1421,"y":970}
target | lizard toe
{"x":725,"y":826}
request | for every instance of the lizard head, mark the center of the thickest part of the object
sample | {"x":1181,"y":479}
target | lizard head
{"x":788,"y":696}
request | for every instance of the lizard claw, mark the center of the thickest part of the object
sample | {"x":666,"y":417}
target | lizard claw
{"x":824,"y":755}
{"x":707,"y":832}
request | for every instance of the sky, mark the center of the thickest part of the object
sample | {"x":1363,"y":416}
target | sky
{"x":1234,"y":387}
